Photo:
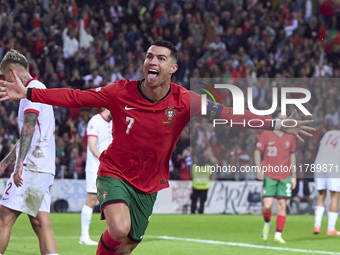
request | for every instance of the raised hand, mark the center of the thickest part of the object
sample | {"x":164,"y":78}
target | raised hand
{"x":296,"y":127}
{"x":12,"y":90}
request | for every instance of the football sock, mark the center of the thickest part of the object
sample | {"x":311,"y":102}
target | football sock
{"x":48,"y":254}
{"x":86,"y":215}
{"x":332,"y":217}
{"x":280,"y":223}
{"x":107,"y":245}
{"x":277,"y":234}
{"x":266,"y":216}
{"x":319,"y":210}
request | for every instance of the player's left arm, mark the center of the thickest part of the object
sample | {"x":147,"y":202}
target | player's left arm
{"x":292,"y":161}
{"x":27,"y":131}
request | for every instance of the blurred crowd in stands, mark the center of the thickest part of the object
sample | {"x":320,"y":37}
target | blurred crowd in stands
{"x":250,"y":43}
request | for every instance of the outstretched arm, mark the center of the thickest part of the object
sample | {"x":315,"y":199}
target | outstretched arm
{"x":68,"y":98}
{"x":9,"y":159}
{"x":26,"y":136}
{"x":224,"y":115}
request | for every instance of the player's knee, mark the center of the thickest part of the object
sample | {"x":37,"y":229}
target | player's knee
{"x":281,"y":206}
{"x":36,"y":225}
{"x":7,"y":218}
{"x":92,"y":203}
{"x":267,"y":207}
{"x":119,"y":232}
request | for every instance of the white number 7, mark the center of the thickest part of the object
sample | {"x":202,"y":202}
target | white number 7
{"x":130,"y":121}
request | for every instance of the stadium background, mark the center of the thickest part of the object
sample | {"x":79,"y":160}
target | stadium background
{"x":259,"y":43}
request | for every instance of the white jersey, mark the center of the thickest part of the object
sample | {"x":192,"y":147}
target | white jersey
{"x":41,"y":154}
{"x":99,"y":127}
{"x":329,"y":150}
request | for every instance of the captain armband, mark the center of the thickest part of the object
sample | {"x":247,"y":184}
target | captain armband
{"x":213,"y":110}
{"x":29,"y":93}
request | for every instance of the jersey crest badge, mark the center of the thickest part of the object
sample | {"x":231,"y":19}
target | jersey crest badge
{"x":105,"y":193}
{"x":287,"y":144}
{"x":170,"y":112}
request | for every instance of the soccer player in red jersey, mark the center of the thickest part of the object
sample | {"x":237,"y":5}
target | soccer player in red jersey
{"x":279,"y":162}
{"x":148,"y":116}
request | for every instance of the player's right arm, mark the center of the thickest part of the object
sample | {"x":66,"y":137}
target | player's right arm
{"x":92,"y":141}
{"x":67,"y":98}
{"x":9,"y":159}
{"x":257,"y":159}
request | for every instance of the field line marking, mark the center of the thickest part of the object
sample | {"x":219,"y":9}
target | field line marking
{"x":242,"y":245}
{"x":204,"y":241}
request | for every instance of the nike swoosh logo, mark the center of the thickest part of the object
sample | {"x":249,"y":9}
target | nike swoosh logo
{"x":128,"y":108}
{"x":270,"y":143}
{"x":5,"y":198}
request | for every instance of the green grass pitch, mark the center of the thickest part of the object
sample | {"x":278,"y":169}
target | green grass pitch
{"x":234,"y":232}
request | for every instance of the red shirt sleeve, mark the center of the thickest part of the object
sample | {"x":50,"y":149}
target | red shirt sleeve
{"x":195,"y":104}
{"x":75,"y":98}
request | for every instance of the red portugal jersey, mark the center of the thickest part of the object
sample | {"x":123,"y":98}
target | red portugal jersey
{"x":277,"y":150}
{"x":145,"y":132}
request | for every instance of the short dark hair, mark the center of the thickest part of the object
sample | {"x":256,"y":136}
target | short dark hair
{"x":13,"y":57}
{"x":169,"y":45}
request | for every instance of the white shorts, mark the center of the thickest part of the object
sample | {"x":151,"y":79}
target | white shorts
{"x":332,"y":184}
{"x":91,"y":186}
{"x":327,"y":180}
{"x":33,"y":196}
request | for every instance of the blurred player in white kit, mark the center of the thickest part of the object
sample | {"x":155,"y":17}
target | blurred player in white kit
{"x":99,"y":137}
{"x":28,"y":188}
{"x":327,"y":177}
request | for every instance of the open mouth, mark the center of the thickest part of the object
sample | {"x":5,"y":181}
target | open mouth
{"x":152,"y":75}
{"x":153,"y":71}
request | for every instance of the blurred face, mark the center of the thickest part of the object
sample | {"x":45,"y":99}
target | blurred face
{"x":7,"y":73}
{"x":158,"y":66}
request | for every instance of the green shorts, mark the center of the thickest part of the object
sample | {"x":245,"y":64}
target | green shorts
{"x":277,"y":188}
{"x":111,"y":190}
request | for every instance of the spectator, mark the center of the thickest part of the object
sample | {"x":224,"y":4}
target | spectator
{"x":97,"y":79}
{"x":71,"y":44}
{"x":75,"y":165}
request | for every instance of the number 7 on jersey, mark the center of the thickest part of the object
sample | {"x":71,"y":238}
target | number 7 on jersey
{"x":130,"y":121}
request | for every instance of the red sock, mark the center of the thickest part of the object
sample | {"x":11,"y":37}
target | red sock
{"x":267,"y":215}
{"x":280,"y":222}
{"x":107,"y":246}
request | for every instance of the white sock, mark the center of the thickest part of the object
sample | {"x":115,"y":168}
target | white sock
{"x":267,"y":224}
{"x":319,"y":210}
{"x":332,"y":217}
{"x":300,"y":192}
{"x":48,"y":254}
{"x":86,"y":216}
{"x":277,"y":234}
